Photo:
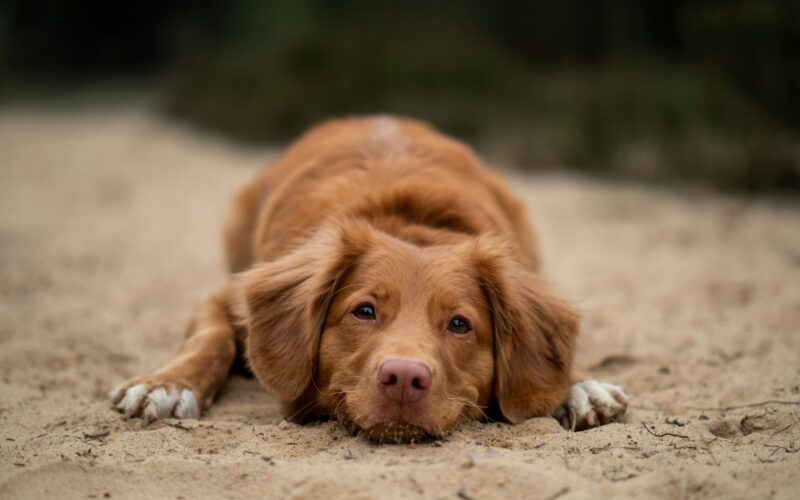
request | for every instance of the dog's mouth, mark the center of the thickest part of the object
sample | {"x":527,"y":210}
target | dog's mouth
{"x":395,"y":429}
{"x":397,"y":433}
{"x":389,"y":432}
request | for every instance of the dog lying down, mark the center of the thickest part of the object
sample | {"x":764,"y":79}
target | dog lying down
{"x":383,"y":276}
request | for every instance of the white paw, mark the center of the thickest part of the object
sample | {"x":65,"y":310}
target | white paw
{"x":591,"y":403}
{"x":156,"y":402}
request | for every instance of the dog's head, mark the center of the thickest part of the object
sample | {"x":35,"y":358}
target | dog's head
{"x":402,"y":341}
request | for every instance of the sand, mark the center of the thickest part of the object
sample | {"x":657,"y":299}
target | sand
{"x":109,"y":225}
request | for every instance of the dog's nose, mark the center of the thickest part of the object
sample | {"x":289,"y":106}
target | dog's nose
{"x":403,"y":380}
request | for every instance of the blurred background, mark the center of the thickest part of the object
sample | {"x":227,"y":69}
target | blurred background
{"x":689,"y":92}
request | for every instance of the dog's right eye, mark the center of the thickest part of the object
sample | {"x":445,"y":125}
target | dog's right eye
{"x":364,"y":311}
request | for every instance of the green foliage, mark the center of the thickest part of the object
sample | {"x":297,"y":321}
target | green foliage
{"x":264,"y":93}
{"x":650,"y":121}
{"x":752,"y":44}
{"x":692,"y":90}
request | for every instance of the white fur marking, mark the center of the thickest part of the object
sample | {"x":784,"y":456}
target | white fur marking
{"x":578,"y":400}
{"x":591,"y":402}
{"x":598,"y":393}
{"x":187,"y":405}
{"x":156,"y":404}
{"x":159,"y":404}
{"x":132,"y":402}
{"x":387,"y":135}
{"x":117,"y":393}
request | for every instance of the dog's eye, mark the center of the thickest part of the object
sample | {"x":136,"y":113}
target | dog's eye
{"x":459,"y":326}
{"x":364,"y":311}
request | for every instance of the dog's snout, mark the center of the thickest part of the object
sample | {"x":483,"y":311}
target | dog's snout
{"x":403,"y":380}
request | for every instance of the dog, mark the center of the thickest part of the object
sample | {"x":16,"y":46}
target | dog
{"x":382,"y":276}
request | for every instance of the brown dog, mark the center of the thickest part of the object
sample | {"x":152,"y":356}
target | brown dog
{"x":382,"y":276}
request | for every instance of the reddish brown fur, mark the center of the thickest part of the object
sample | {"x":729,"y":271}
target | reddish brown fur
{"x":391,"y":212}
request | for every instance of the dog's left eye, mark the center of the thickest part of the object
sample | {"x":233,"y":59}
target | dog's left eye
{"x":459,"y":325}
{"x":364,"y":311}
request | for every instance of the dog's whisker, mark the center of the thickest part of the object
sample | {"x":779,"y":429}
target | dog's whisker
{"x":301,"y":410}
{"x":465,"y":403}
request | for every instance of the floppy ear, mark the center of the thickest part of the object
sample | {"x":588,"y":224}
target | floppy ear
{"x":534,"y":335}
{"x":283,"y":305}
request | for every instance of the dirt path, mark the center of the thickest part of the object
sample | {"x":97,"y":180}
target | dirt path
{"x":108,"y":238}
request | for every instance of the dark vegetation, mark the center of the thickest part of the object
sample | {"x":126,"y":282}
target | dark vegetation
{"x":694,"y":91}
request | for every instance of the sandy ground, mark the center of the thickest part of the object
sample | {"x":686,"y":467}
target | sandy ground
{"x":109,"y":224}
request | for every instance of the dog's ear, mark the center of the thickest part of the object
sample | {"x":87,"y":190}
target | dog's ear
{"x":534,"y":334}
{"x":283,"y":305}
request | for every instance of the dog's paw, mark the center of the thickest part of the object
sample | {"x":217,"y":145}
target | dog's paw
{"x":153,"y":400}
{"x":590,"y":404}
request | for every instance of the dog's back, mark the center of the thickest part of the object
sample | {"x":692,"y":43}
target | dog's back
{"x":401,"y":175}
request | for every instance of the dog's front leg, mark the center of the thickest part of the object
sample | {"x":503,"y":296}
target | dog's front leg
{"x":188,"y":383}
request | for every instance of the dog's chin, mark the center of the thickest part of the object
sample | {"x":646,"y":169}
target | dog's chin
{"x":390,"y":431}
{"x":396,"y":433}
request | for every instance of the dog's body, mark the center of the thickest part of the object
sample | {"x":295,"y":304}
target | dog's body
{"x":383,"y":276}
